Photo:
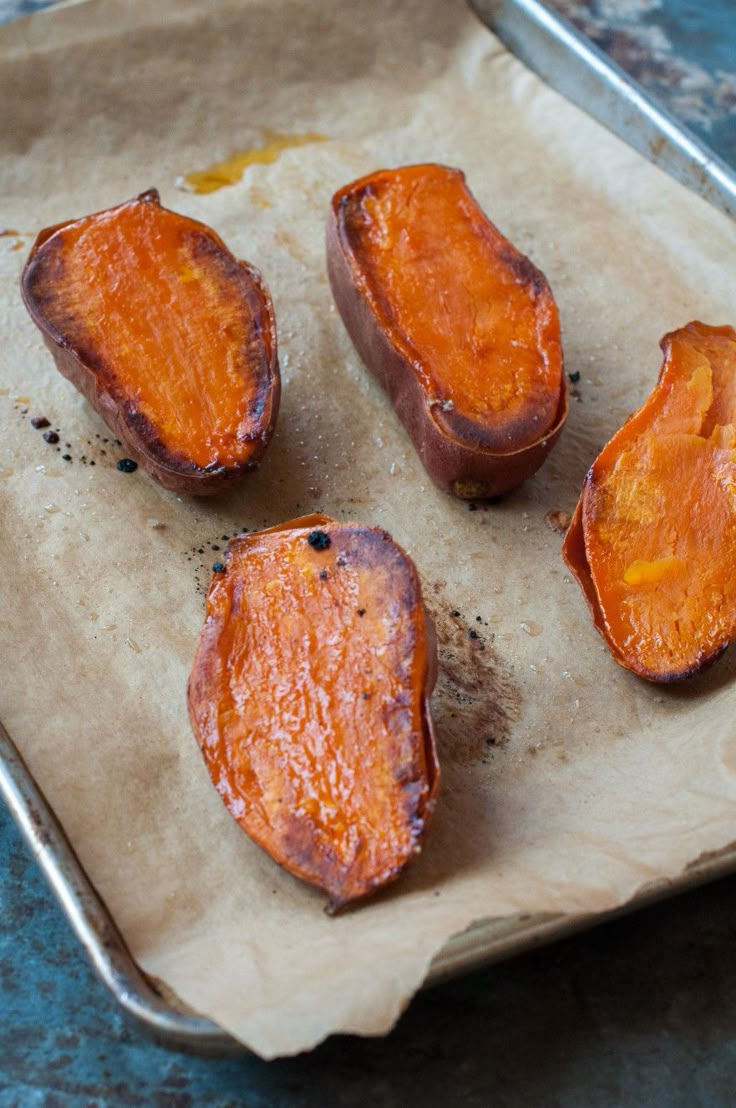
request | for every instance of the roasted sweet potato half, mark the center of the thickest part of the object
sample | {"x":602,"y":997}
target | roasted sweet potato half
{"x":458,"y":326}
{"x":309,"y":697}
{"x":168,"y":336}
{"x":653,"y":539}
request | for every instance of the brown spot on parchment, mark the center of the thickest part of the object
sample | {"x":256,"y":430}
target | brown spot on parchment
{"x":476,"y":700}
{"x":558,"y":520}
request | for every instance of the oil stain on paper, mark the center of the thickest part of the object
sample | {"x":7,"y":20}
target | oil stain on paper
{"x":230,"y":171}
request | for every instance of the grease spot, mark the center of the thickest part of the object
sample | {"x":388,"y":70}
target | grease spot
{"x":476,"y":701}
{"x":230,"y":171}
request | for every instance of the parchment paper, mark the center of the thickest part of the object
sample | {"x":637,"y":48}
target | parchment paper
{"x":568,"y":784}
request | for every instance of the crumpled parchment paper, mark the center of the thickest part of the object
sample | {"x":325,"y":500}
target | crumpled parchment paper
{"x":568,"y":783}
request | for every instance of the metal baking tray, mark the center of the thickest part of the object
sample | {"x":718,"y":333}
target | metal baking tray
{"x":550,"y":46}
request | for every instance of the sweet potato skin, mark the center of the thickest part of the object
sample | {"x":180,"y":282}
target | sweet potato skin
{"x":466,"y":464}
{"x":374,"y":773}
{"x":576,"y":551}
{"x":171,"y":468}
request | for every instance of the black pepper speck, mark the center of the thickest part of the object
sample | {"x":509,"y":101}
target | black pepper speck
{"x":218,"y":567}
{"x":38,"y":422}
{"x":51,"y":436}
{"x":127,"y":465}
{"x":319,"y":540}
{"x":472,"y":633}
{"x":573,"y":378}
{"x":67,"y":457}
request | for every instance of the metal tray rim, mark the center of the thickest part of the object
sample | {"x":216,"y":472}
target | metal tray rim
{"x":108,"y":953}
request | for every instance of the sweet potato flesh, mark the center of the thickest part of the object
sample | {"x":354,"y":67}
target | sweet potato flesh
{"x":308,"y":697}
{"x":653,"y":541}
{"x":472,"y":315}
{"x":172,"y":325}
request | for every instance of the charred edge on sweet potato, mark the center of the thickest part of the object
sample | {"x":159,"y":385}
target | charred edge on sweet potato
{"x":309,"y":697}
{"x":652,"y":542}
{"x":460,"y":328}
{"x":169,"y":337}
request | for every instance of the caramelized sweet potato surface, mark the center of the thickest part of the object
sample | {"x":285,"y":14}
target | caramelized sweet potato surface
{"x":171,"y":339}
{"x":309,"y":697}
{"x":459,"y":326}
{"x":653,"y":539}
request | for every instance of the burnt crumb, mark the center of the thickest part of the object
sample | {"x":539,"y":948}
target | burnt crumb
{"x":39,"y":422}
{"x":225,"y":538}
{"x":214,"y":546}
{"x":573,"y":378}
{"x":218,"y":567}
{"x":361,"y":611}
{"x":127,"y":465}
{"x":323,"y":575}
{"x":319,"y":540}
{"x":66,"y":457}
{"x":558,"y":520}
{"x":200,"y":550}
{"x":51,"y":436}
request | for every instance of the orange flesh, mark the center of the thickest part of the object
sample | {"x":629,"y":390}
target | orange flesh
{"x":159,"y":307}
{"x":659,"y":513}
{"x":310,"y":715}
{"x":470,"y":312}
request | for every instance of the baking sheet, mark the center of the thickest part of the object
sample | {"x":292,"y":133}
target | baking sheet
{"x":567,"y":784}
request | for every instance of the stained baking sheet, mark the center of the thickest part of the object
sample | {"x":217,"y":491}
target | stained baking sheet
{"x":536,"y":715}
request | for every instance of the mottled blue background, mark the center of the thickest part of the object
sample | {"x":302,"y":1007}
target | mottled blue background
{"x":638,"y":1013}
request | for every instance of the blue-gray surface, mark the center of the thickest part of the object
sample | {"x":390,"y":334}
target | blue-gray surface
{"x":683,"y":51}
{"x":640,"y":1012}
{"x":636,"y":1013}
